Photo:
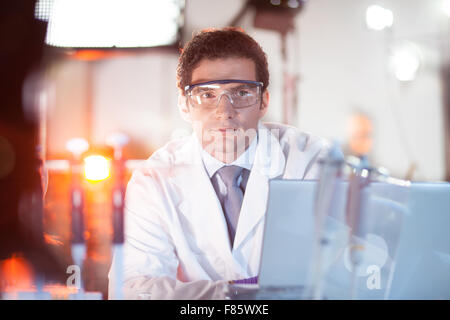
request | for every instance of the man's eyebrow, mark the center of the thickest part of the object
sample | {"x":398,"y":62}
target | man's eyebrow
{"x":206,"y":88}
{"x":242,"y":85}
{"x":228,"y":86}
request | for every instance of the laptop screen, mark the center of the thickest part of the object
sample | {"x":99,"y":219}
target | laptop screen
{"x":403,"y":241}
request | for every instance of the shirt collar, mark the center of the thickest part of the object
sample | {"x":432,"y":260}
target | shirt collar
{"x":245,"y":160}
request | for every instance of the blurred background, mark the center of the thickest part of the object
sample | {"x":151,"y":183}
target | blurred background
{"x":373,"y":75}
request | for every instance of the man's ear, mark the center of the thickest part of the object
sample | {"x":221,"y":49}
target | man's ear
{"x":264,"y":103}
{"x":183,"y":108}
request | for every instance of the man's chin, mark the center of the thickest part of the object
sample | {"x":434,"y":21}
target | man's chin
{"x":228,"y":147}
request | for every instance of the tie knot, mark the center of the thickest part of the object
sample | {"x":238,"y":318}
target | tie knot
{"x":229,"y":175}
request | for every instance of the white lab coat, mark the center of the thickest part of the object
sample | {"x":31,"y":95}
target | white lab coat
{"x":175,"y":231}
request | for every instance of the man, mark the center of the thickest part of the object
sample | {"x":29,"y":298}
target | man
{"x":194,"y":213}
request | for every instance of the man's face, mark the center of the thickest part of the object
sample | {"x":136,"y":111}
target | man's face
{"x":226,"y":132}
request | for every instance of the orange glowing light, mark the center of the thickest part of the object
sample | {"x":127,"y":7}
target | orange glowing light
{"x":52,"y":239}
{"x":16,"y":274}
{"x":96,"y":168}
{"x":92,"y":55}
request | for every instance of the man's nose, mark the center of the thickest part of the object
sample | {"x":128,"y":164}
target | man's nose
{"x":224,"y":106}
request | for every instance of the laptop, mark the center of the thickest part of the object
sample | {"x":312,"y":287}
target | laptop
{"x":282,"y":275}
{"x":399,"y":246}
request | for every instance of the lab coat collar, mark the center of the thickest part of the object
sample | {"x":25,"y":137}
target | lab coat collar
{"x":269,"y":160}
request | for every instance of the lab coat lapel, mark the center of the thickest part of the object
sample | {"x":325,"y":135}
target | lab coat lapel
{"x":269,"y":163}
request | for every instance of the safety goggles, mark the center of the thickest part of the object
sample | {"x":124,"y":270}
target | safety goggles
{"x":240,"y":93}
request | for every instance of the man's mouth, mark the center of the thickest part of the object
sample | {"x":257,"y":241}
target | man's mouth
{"x":225,"y":130}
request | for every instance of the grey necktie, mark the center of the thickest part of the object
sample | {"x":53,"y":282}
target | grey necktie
{"x":233,"y":199}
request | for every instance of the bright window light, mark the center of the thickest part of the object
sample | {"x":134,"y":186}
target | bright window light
{"x":405,"y":62}
{"x":114,"y":23}
{"x":96,"y":168}
{"x":379,"y":18}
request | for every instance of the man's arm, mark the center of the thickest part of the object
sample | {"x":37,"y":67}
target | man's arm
{"x":149,"y":261}
{"x":166,"y":288}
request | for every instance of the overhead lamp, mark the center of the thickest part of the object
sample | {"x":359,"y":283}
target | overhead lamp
{"x":405,"y":61}
{"x":277,"y":15}
{"x":113,"y":23}
{"x":446,"y":7}
{"x":379,"y":18}
{"x":43,"y":9}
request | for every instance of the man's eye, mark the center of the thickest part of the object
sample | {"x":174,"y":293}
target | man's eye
{"x":243,"y":93}
{"x":207,"y":95}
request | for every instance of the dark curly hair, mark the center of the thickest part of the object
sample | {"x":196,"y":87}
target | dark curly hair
{"x":218,"y":44}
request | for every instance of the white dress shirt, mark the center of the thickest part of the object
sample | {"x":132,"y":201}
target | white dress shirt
{"x":245,"y":160}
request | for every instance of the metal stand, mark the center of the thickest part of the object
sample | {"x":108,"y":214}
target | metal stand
{"x":118,"y":141}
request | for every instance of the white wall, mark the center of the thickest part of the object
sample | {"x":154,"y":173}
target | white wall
{"x":342,"y":66}
{"x":66,"y":110}
{"x":137,"y":95}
